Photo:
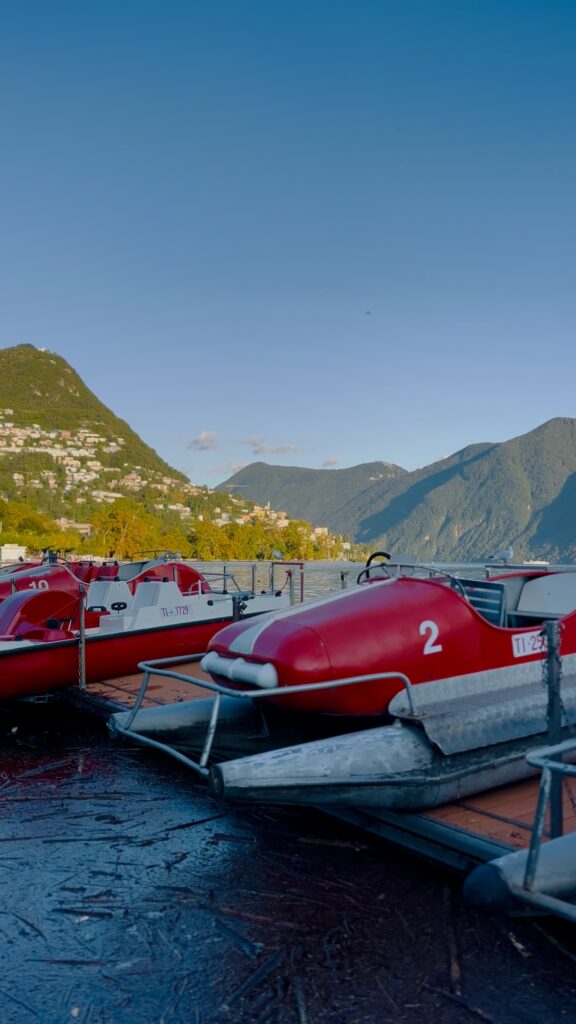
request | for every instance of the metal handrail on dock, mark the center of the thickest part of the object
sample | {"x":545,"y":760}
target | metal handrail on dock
{"x":160,"y":667}
{"x":543,"y":877}
{"x":550,"y":761}
{"x":226,"y":580}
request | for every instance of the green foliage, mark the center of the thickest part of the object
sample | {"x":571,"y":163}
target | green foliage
{"x":325,"y":497}
{"x":260,"y":539}
{"x":126,"y":530}
{"x":41,"y":388}
{"x":18,"y":517}
{"x":53,"y":473}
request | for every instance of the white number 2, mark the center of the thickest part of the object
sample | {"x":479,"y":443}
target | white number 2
{"x":430,"y":628}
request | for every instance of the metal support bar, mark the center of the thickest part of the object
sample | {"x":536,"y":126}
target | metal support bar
{"x":211,"y":731}
{"x":139,"y":698}
{"x":157,"y":668}
{"x":549,"y":760}
{"x":546,"y":904}
{"x":554,"y":714}
{"x":82,"y":641}
{"x":161,"y":667}
{"x":147,"y":741}
{"x":538,"y":829}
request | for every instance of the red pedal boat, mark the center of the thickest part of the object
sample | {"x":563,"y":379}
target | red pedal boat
{"x":426,"y":629}
{"x":73,"y":577}
{"x":58,"y":626}
{"x":325,"y":702}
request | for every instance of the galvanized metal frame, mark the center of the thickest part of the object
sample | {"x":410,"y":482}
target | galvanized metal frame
{"x":154,"y":668}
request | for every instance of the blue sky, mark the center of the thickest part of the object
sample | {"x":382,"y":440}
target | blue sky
{"x":312,"y":233}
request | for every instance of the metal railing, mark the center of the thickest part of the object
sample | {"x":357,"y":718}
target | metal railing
{"x":554,"y":774}
{"x":549,"y":760}
{"x":161,"y":668}
{"x":317,"y":579}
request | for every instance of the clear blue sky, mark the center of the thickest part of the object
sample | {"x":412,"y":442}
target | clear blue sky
{"x":313,"y":233}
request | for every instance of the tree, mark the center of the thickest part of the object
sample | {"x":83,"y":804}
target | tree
{"x":125,"y":529}
{"x":206,"y":541}
{"x":294,"y":541}
{"x":20,"y":518}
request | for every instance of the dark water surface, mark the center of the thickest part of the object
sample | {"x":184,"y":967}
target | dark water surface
{"x":128,"y":895}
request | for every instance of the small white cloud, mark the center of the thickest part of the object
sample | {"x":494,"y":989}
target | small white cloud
{"x":283,"y":449}
{"x":205,"y":441}
{"x":260,"y":447}
{"x":331,"y":462}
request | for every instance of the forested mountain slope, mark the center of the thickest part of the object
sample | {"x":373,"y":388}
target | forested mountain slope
{"x":488,"y":496}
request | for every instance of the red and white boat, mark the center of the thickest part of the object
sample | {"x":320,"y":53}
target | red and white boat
{"x":427,"y":629}
{"x":53,"y":573}
{"x":408,"y":691}
{"x":447,"y":673}
{"x":59,"y":627}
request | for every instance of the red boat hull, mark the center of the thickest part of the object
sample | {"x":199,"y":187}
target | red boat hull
{"x":30,"y":669}
{"x":164,"y":611}
{"x":419,"y":627}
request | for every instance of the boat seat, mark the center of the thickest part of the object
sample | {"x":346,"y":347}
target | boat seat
{"x":153,"y":592}
{"x":108,"y":593}
{"x":488,"y":597}
{"x":128,"y":570}
{"x":548,"y":596}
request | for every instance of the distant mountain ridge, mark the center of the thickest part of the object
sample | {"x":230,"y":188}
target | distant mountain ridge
{"x":324,"y":493}
{"x":486,"y":497}
{"x":61,"y":448}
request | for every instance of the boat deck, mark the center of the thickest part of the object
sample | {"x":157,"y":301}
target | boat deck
{"x":506,"y":814}
{"x":121,"y":693}
{"x":463,"y":834}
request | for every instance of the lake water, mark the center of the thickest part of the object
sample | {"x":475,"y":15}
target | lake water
{"x":129,"y":896}
{"x":309,"y":579}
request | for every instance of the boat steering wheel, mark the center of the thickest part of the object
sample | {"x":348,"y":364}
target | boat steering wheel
{"x":381,"y":565}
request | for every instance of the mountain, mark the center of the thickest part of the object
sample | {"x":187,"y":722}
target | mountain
{"x":62,"y":451}
{"x":319,"y":496}
{"x":58,"y":439}
{"x":484,"y":498}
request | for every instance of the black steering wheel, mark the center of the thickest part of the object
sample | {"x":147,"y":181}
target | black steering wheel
{"x":366,"y":571}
